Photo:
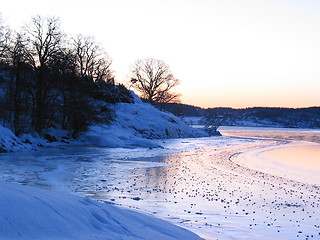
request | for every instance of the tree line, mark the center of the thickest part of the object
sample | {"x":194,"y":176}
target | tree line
{"x":254,"y":116}
{"x":48,"y":79}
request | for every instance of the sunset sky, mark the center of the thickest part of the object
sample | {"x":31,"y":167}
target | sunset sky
{"x":231,"y":53}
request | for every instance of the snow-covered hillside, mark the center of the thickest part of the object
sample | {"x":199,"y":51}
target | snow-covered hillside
{"x":135,"y":124}
{"x":31,"y":213}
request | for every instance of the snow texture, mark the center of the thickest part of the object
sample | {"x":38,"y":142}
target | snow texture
{"x":135,"y":124}
{"x":31,"y":213}
{"x":9,"y":142}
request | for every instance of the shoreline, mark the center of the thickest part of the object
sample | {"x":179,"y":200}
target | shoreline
{"x":198,"y":189}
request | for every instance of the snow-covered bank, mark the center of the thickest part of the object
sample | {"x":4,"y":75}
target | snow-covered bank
{"x":31,"y":213}
{"x":135,"y":124}
{"x":9,"y":142}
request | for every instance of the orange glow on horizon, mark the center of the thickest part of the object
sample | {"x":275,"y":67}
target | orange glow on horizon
{"x":225,"y":53}
{"x":247,"y":100}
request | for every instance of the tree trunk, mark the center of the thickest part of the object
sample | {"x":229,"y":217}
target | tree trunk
{"x":16,"y":107}
{"x":39,"y":102}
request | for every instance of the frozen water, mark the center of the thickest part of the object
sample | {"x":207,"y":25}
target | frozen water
{"x":195,"y":183}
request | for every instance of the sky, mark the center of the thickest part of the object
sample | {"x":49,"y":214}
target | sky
{"x":226,"y":53}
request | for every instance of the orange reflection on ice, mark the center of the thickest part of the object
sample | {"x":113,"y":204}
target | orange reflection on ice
{"x":305,"y":156}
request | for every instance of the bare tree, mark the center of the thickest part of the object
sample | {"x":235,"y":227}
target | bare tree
{"x":45,"y":43}
{"x":154,"y":80}
{"x":4,"y":39}
{"x":45,"y":39}
{"x":92,"y":61}
{"x":19,"y":77}
{"x":47,"y":83}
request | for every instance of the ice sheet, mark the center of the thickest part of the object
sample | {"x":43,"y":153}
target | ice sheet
{"x":298,"y":161}
{"x":194,"y":183}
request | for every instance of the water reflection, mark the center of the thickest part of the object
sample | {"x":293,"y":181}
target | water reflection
{"x":303,"y":156}
{"x":200,"y":188}
{"x":296,"y":135}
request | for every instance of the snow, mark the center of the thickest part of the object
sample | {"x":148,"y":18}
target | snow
{"x":9,"y":142}
{"x":135,"y":124}
{"x":32,"y":213}
{"x":218,"y":187}
{"x":195,"y":183}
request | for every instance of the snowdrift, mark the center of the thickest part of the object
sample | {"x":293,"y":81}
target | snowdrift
{"x":31,"y":213}
{"x":9,"y":142}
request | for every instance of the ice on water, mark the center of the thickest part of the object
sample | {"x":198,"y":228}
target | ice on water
{"x":194,"y":183}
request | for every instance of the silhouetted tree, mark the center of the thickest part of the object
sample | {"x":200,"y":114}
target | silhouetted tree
{"x":45,"y":43}
{"x":4,"y":39}
{"x":91,"y":60}
{"x":48,"y":83}
{"x":154,"y":80}
{"x":21,"y":76}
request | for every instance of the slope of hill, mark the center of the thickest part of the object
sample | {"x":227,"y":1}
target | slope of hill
{"x":134,"y":125}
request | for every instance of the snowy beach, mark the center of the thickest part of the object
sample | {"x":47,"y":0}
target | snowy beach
{"x":206,"y":185}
